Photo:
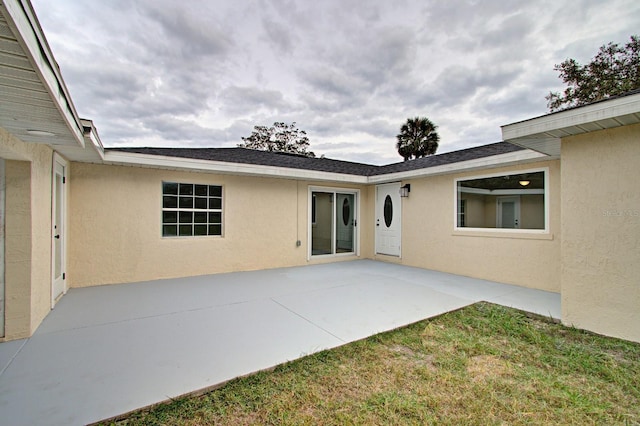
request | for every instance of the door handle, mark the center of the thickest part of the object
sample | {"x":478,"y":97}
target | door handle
{"x":57,"y":237}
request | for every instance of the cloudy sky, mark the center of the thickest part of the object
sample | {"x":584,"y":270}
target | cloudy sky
{"x":202,"y":73}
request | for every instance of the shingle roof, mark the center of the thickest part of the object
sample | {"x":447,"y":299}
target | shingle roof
{"x":449,"y":158}
{"x":293,"y":161}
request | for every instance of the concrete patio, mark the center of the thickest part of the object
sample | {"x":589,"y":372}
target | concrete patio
{"x":107,"y":350}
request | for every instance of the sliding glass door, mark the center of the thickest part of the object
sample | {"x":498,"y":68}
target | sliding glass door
{"x":333,"y":222}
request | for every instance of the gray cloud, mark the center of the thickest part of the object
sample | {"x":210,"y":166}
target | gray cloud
{"x":169,"y":73}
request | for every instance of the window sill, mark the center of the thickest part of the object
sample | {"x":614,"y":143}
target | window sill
{"x":524,"y":234}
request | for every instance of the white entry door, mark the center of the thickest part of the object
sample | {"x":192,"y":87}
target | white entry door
{"x":2,"y":190}
{"x":58,"y":234}
{"x":388,"y":219}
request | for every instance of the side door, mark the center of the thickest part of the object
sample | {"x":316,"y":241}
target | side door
{"x":388,"y":219}
{"x":58,"y":229}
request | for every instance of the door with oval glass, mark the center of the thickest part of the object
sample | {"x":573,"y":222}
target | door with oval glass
{"x":388,"y":219}
{"x":344,"y":222}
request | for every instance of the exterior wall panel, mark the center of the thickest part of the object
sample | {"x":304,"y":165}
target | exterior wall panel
{"x":27,"y":234}
{"x":429,"y":240}
{"x":115,"y":228}
{"x":601,"y":232}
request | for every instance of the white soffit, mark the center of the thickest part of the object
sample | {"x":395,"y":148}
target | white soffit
{"x":36,"y":106}
{"x":543,"y":133}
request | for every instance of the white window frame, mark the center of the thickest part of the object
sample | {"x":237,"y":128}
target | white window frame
{"x":334,"y":191}
{"x":503,"y":231}
{"x":179,"y":209}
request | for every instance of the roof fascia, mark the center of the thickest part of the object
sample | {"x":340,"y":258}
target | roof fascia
{"x":542,"y":127}
{"x":509,"y":158}
{"x":92,"y":138}
{"x":165,"y":162}
{"x":176,"y":163}
{"x":25,"y":25}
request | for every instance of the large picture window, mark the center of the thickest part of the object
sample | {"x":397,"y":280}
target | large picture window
{"x":191,"y":209}
{"x":509,"y":201}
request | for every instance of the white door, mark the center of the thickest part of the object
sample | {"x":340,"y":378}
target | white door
{"x":508,"y":212}
{"x":345,"y":210}
{"x":1,"y":247}
{"x":58,"y":209}
{"x":388,"y":219}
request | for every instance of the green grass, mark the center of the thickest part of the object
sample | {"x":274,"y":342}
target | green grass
{"x":484,"y":364}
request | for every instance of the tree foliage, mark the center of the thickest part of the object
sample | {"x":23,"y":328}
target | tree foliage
{"x":613,"y":71}
{"x":280,"y":137}
{"x":417,"y":138}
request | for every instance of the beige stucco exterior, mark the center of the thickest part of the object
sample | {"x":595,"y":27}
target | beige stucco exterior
{"x":601,"y":232}
{"x":27,"y":234}
{"x":115,"y":230}
{"x":430,"y":241}
{"x":589,"y":251}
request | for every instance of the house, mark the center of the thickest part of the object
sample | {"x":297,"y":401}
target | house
{"x":554,"y":206}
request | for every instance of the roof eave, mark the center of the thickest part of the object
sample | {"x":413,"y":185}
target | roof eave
{"x":499,"y":160}
{"x":24,"y":24}
{"x":222,"y":167}
{"x":544,"y":133}
{"x":208,"y":166}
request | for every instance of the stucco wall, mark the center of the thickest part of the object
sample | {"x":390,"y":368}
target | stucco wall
{"x":601,"y":232}
{"x":115,"y":234}
{"x":429,"y":240}
{"x":27,"y":234}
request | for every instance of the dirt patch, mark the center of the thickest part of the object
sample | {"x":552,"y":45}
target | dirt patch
{"x":415,"y":358}
{"x":482,"y":367}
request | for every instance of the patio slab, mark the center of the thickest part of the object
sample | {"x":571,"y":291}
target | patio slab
{"x":106,"y":350}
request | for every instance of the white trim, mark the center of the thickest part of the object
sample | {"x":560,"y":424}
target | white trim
{"x":25,"y":26}
{"x":609,"y":109}
{"x":334,"y":190}
{"x":223,"y":167}
{"x":469,"y":165}
{"x":57,"y":159}
{"x":2,"y":251}
{"x":544,"y":133}
{"x":487,"y":231}
{"x":92,"y":137}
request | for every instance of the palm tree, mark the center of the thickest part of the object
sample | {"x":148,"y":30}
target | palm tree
{"x":417,"y":138}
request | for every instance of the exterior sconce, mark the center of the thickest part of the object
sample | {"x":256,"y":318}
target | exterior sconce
{"x":405,"y":190}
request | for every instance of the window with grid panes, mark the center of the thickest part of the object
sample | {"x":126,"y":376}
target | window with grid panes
{"x":191,"y":209}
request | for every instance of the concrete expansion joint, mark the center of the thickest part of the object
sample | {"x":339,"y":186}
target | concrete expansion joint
{"x":307,"y":320}
{"x":13,"y":357}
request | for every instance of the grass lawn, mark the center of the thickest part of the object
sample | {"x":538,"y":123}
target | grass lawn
{"x":484,"y":364}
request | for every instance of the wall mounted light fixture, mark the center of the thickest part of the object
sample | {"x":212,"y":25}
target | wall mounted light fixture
{"x":405,"y":190}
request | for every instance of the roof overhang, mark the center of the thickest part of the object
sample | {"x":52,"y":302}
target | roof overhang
{"x":221,"y":167}
{"x":36,"y":106}
{"x":543,"y":134}
{"x":493,"y":161}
